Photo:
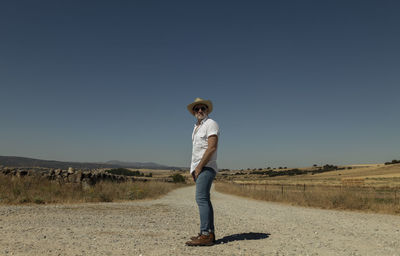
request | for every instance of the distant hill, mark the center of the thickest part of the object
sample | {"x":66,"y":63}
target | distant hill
{"x":15,"y":161}
{"x":148,"y":165}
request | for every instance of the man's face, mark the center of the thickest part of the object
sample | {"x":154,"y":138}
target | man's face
{"x":200,"y":111}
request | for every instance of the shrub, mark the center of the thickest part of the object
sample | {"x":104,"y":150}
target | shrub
{"x":125,"y":172}
{"x":24,"y":200}
{"x":103,"y":197}
{"x":178,"y":178}
{"x":394,"y":161}
{"x":38,"y":200}
{"x":329,"y":167}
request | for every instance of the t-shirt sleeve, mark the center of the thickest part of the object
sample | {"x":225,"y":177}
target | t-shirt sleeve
{"x":213,"y":129}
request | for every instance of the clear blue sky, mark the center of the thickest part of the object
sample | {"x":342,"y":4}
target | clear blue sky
{"x":294,"y":83}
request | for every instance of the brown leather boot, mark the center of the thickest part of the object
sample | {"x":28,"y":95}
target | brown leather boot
{"x":202,"y":240}
{"x":196,"y":237}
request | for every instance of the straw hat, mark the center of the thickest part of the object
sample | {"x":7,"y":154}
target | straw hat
{"x":198,"y":101}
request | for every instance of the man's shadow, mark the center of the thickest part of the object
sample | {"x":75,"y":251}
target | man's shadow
{"x":242,"y":236}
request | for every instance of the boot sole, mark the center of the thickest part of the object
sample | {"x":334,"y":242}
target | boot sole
{"x":195,"y":238}
{"x":210,"y":244}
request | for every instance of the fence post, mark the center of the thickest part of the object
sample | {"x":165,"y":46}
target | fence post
{"x":282,"y":190}
{"x":304,"y":188}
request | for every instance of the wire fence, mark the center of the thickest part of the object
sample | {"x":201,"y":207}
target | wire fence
{"x":345,"y":192}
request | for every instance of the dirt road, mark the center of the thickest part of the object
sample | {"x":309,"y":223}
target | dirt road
{"x":161,"y":227}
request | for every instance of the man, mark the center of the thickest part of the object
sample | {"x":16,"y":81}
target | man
{"x":203,"y":167}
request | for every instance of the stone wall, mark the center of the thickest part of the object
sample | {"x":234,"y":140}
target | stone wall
{"x":86,"y":177}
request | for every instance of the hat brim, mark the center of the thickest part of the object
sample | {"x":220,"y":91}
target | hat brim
{"x":204,"y":102}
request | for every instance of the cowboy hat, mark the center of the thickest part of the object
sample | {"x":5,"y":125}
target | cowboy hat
{"x":198,"y":101}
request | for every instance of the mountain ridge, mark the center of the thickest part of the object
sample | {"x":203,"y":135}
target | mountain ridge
{"x":17,"y":161}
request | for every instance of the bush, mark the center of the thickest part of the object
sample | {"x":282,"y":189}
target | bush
{"x":178,"y":178}
{"x":38,"y":200}
{"x":329,"y":167}
{"x":125,"y":172}
{"x":393,"y":162}
{"x":104,"y":197}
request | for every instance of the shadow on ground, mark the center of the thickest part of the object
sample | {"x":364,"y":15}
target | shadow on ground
{"x":242,"y":236}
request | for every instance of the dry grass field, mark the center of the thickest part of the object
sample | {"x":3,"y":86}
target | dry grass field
{"x":39,"y":190}
{"x":160,"y":175}
{"x":375,"y":175}
{"x":374,"y":188}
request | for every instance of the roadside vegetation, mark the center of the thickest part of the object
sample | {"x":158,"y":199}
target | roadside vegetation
{"x":38,"y":190}
{"x":382,"y":200}
{"x":127,"y":172}
{"x":369,"y":188}
{"x":178,"y":178}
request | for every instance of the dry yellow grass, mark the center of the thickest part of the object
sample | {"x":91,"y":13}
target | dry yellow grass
{"x":14,"y":190}
{"x":326,"y":197}
{"x":373,"y":188}
{"x":373,"y":175}
{"x":387,"y":171}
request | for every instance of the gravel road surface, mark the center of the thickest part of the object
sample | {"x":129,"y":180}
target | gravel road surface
{"x":162,"y":226}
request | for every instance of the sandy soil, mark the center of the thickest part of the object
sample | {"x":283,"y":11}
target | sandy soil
{"x":161,"y":227}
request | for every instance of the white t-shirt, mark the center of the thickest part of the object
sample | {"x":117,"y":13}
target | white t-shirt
{"x":200,"y":136}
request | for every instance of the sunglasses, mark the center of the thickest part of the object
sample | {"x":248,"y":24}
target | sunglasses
{"x":198,"y":108}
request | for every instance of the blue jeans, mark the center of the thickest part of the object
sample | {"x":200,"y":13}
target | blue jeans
{"x":203,"y":186}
